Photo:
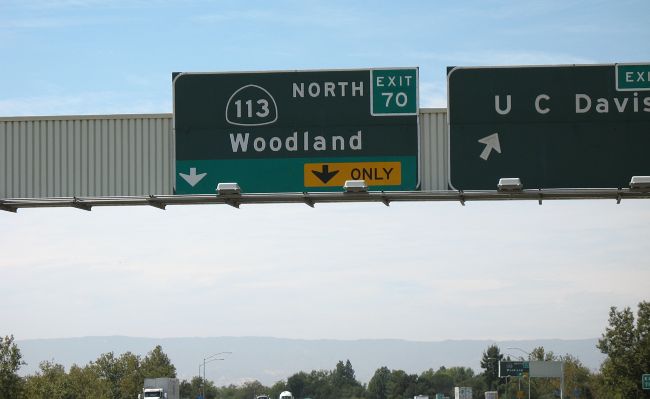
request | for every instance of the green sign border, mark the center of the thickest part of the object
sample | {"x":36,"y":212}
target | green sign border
{"x":645,"y":381}
{"x":525,"y":367}
{"x":411,"y":163}
{"x":633,"y":67}
{"x":416,"y":89}
{"x":605,"y":150}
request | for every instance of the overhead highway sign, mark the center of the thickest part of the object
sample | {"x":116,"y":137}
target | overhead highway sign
{"x":296,"y":131}
{"x":574,"y":126}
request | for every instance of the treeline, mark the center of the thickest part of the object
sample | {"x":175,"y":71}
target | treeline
{"x":626,"y":344}
{"x":108,"y":377}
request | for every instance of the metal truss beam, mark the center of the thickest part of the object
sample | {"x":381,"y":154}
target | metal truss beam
{"x":313,"y":198}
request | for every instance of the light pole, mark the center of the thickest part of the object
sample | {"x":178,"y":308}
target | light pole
{"x":527,"y":353}
{"x":209,"y":359}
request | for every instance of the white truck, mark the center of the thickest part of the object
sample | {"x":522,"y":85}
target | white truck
{"x":286,"y":395}
{"x":160,"y":388}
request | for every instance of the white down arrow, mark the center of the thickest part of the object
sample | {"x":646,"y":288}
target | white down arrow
{"x":192,"y":179}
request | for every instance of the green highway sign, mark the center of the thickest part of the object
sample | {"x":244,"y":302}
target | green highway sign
{"x":296,"y":131}
{"x":632,"y":77}
{"x":551,"y":126}
{"x":645,"y":381}
{"x":392,"y":91}
{"x":513,"y":369}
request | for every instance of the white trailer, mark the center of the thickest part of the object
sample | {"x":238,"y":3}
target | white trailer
{"x":492,"y":395}
{"x":160,"y":388}
{"x":462,"y":392}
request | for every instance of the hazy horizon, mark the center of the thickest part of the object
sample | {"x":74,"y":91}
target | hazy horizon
{"x":269,"y":360}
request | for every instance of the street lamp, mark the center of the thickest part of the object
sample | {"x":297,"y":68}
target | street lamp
{"x":209,"y":359}
{"x":527,"y":353}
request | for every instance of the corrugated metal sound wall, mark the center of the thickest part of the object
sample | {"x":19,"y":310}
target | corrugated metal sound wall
{"x":112,"y":155}
{"x":127,"y":155}
{"x":434,"y":149}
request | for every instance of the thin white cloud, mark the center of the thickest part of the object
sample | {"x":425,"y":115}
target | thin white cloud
{"x":88,"y":4}
{"x":500,"y":57}
{"x":433,"y":95}
{"x":409,"y":261}
{"x":312,"y":16}
{"x":43,"y":23}
{"x":84,"y":103}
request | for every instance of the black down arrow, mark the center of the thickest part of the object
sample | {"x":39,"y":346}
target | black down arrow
{"x":325,"y":175}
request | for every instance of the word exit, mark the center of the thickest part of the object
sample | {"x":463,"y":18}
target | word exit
{"x":393,"y":92}
{"x":631,"y":77}
{"x":336,"y":173}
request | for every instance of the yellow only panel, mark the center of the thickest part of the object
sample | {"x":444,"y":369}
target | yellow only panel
{"x":336,"y":173}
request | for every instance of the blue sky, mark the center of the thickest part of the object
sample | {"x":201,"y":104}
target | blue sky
{"x":85,"y":56}
{"x":421,"y":271}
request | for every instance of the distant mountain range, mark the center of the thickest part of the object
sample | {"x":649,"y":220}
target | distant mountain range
{"x":272,"y":359}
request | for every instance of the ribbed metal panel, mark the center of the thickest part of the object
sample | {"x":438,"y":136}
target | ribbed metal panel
{"x":434,"y":147}
{"x":125,"y":155}
{"x":108,"y":155}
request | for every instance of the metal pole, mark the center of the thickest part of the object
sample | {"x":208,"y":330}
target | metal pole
{"x":562,"y":381}
{"x":529,"y":359}
{"x":212,"y":358}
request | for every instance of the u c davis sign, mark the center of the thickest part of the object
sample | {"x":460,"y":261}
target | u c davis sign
{"x":574,"y":126}
{"x":296,"y":130}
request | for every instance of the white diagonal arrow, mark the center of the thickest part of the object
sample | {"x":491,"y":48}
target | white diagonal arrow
{"x":192,"y":179}
{"x":491,"y":143}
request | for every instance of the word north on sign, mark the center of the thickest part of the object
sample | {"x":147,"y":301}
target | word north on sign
{"x":584,"y":126}
{"x":296,"y":131}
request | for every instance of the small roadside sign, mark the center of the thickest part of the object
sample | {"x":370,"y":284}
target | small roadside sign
{"x":513,"y":369}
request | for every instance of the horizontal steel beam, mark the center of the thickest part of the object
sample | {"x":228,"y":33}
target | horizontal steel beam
{"x":313,"y":198}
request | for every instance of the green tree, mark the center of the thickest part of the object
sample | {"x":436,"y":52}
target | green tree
{"x":319,"y":385}
{"x":344,"y":382}
{"x":157,"y":364}
{"x":577,"y":377}
{"x":11,"y":384}
{"x":250,"y":389}
{"x":402,"y":385}
{"x":192,"y":389}
{"x":626,"y":343}
{"x":277,"y":389}
{"x":378,"y":385}
{"x":50,"y":382}
{"x":442,"y":381}
{"x":121,"y":373}
{"x":490,"y":363}
{"x":297,"y":384}
{"x":540,"y":354}
{"x":85,"y":382}
{"x":132,"y":380}
{"x":461,"y":375}
{"x":344,"y":374}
